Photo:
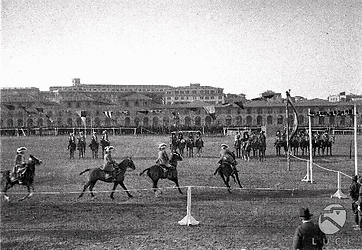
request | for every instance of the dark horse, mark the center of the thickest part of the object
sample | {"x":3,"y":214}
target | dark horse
{"x":96,"y":174}
{"x":94,"y":145}
{"x":156,"y":172}
{"x":104,"y":144}
{"x":72,"y":146}
{"x":81,"y":148}
{"x":280,"y":143}
{"x":225,"y":171}
{"x":27,"y":179}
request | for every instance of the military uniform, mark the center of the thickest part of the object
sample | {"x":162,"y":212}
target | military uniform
{"x":20,"y":165}
{"x":108,"y":163}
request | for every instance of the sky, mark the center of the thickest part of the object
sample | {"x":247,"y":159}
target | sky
{"x":312,"y":47}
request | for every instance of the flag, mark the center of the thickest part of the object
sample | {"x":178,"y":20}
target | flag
{"x":108,"y":114}
{"x":9,"y":107}
{"x":83,"y":115}
{"x":295,"y":121}
{"x":41,"y":111}
{"x":29,"y":112}
{"x":240,"y":104}
{"x":211,"y":111}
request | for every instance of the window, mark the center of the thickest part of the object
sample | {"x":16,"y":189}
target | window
{"x":260,"y":110}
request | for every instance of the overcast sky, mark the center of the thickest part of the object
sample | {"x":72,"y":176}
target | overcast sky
{"x":312,"y":47}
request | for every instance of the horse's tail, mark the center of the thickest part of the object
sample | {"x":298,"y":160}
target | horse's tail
{"x":84,"y":171}
{"x":144,"y":171}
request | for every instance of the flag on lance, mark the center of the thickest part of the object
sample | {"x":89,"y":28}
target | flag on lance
{"x":295,"y":120}
{"x":82,"y":114}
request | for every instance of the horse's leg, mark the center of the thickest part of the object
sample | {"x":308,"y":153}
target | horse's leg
{"x":238,"y":180}
{"x":28,"y":195}
{"x":226,"y":181}
{"x":91,"y":186}
{"x":124,"y":187}
{"x":7,"y":186}
{"x":175,"y":180}
{"x":114,"y":188}
{"x":84,"y":188}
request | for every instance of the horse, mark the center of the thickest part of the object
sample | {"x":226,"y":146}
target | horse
{"x":237,"y":146}
{"x":199,"y":144}
{"x":94,"y":145}
{"x":96,"y":174}
{"x":304,"y":145}
{"x":327,"y":145}
{"x":72,"y":146}
{"x":317,"y":145}
{"x":181,"y":146}
{"x":104,"y":144}
{"x":156,"y":172}
{"x":294,"y":145}
{"x":190,"y":147}
{"x":81,"y":148}
{"x":225,"y":170}
{"x":279,"y":143}
{"x":27,"y":179}
{"x":245,"y":150}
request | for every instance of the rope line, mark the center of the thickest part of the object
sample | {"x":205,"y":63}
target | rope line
{"x":149,"y":189}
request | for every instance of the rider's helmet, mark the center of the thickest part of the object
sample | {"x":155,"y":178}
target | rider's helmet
{"x":162,"y":146}
{"x":104,"y":132}
{"x":224,"y":146}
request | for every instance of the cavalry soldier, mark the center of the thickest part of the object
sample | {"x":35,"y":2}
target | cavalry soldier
{"x":94,"y":136}
{"x":20,"y":165}
{"x":163,"y":159}
{"x":354,"y":194}
{"x":109,"y":164}
{"x":105,"y":136}
{"x":71,"y":138}
{"x":173,"y":144}
{"x":81,"y":137}
{"x":227,"y":156}
{"x":199,"y":143}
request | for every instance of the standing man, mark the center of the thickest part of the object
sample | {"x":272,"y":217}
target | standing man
{"x":354,"y":194}
{"x":308,"y":235}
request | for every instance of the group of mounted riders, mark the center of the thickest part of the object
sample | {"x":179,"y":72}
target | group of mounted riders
{"x":245,"y":143}
{"x":179,"y":142}
{"x":321,"y":142}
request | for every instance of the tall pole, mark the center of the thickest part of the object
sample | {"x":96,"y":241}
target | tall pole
{"x":355,"y":140}
{"x":287,"y":116}
{"x":310,"y":146}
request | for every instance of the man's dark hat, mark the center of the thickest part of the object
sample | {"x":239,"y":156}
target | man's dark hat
{"x":304,"y":212}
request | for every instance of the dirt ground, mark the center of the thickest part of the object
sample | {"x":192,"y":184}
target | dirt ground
{"x":263,"y":215}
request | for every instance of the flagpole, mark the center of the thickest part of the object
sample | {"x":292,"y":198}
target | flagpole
{"x":287,"y":116}
{"x":355,"y":140}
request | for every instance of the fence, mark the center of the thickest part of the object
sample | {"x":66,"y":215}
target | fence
{"x":309,"y":176}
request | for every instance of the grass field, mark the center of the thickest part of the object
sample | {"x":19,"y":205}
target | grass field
{"x":252,"y":218}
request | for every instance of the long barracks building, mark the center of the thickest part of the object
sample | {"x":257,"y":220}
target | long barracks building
{"x":162,"y":108}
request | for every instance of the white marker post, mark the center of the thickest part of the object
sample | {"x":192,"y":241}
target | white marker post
{"x":188,"y":219}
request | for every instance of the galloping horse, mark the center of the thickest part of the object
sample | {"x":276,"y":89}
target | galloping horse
{"x":104,"y":144}
{"x":94,"y":145}
{"x":27,"y":179}
{"x":81,"y":148}
{"x":96,"y":174}
{"x":72,"y":146}
{"x":225,"y":170}
{"x":156,"y":172}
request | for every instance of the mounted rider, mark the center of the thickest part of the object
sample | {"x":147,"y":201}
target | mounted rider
{"x":71,"y":139}
{"x":109,"y":165}
{"x":163,"y":160}
{"x":94,"y":137}
{"x":226,"y":156}
{"x":20,"y":165}
{"x":105,"y":136}
{"x":81,"y":137}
